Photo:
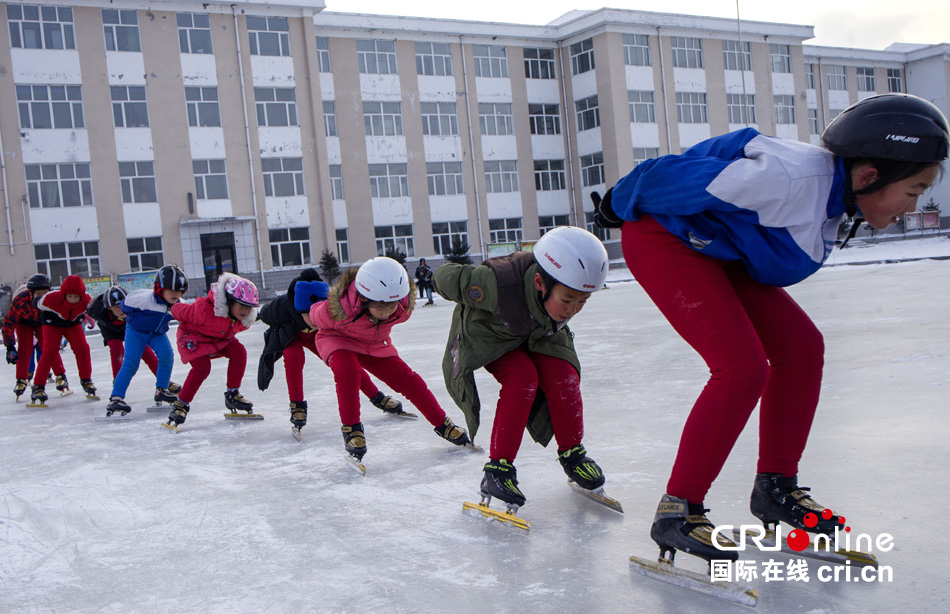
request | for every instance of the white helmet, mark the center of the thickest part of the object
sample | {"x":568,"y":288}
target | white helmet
{"x":573,"y":257}
{"x":382,"y":279}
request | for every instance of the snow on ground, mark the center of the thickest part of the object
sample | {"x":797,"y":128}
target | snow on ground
{"x":234,"y":518}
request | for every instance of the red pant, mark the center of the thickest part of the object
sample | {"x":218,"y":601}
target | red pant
{"x":201,"y":367}
{"x":117,"y":355}
{"x":520,"y":372}
{"x":348,"y":372}
{"x":77,"y":342}
{"x":24,"y":342}
{"x":295,"y":359}
{"x":757,"y":343}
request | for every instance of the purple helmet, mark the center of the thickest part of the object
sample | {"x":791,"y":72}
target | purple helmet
{"x":242,"y":291}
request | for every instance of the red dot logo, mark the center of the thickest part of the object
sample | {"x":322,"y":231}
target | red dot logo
{"x":797,"y":540}
{"x":810,"y":520}
{"x":827,"y":514}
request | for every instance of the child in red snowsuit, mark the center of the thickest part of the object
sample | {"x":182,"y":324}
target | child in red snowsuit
{"x":20,"y":326}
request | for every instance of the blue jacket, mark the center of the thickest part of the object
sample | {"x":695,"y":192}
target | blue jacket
{"x":146,"y":313}
{"x":775,"y":204}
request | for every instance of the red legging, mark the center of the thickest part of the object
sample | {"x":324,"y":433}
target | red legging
{"x":24,"y":340}
{"x":201,"y":367}
{"x":117,"y":355}
{"x":77,"y":342}
{"x":295,"y":359}
{"x":757,"y":343}
{"x":348,"y":371}
{"x":520,"y":372}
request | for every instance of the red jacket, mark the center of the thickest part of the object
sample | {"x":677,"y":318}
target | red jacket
{"x":55,"y":310}
{"x":22,"y":312}
{"x":206,"y":326}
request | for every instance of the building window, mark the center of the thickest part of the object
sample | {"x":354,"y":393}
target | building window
{"x":376,"y":57}
{"x":268,"y":36}
{"x":641,"y":107}
{"x":809,"y":76}
{"x":636,"y":50}
{"x":329,"y":117}
{"x":691,"y":107}
{"x":444,"y":233}
{"x":129,"y":107}
{"x":866,"y":82}
{"x":137,"y":180}
{"x":342,"y":245}
{"x":59,"y":260}
{"x":594,"y":229}
{"x":46,"y":27}
{"x":276,"y":106}
{"x":837,"y":79}
{"x":784,"y":109}
{"x":582,"y":56}
{"x":549,"y":175}
{"x":121,"y":30}
{"x":642,"y":154}
{"x":592,"y":169}
{"x":395,"y":238}
{"x":283,"y":176}
{"x":50,"y":106}
{"x":58,"y":185}
{"x":501,"y":176}
{"x":388,"y":180}
{"x":539,"y":63}
{"x":194,"y":33}
{"x":544,"y":118}
{"x":833,"y":113}
{"x":734,"y":60}
{"x":336,"y":181}
{"x":433,"y":59}
{"x":202,"y":105}
{"x":895,"y":80}
{"x":504,"y":230}
{"x":490,"y":61}
{"x":211,"y":179}
{"x":323,"y":54}
{"x":588,"y":113}
{"x":289,"y":246}
{"x":741,"y":108}
{"x":550,"y":222}
{"x":382,"y":118}
{"x":444,"y":178}
{"x":145,"y":254}
{"x":687,"y":52}
{"x":495,"y":118}
{"x":812,"y":121}
{"x":439,"y":118}
{"x":781,"y":58}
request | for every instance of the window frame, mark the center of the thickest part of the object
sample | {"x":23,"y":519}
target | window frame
{"x":687,"y":51}
{"x":582,"y":56}
{"x":380,"y":60}
{"x":40,"y":184}
{"x":289,"y":241}
{"x":201,"y":178}
{"x":587,"y":113}
{"x":491,"y":61}
{"x":539,"y":63}
{"x":636,"y":50}
{"x":140,"y":185}
{"x":192,"y":34}
{"x":384,"y":118}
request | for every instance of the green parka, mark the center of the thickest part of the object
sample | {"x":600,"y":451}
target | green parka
{"x":498,"y":309}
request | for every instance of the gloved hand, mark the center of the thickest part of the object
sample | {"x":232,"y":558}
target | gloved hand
{"x":604,"y":215}
{"x":12,"y":356}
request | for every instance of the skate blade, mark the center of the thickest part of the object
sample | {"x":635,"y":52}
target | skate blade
{"x":402,"y":414}
{"x":158,"y":408}
{"x":356,"y":464}
{"x":507,"y":517}
{"x":243,"y":417}
{"x":824,"y":552}
{"x":597,"y":495}
{"x":93,"y":397}
{"x":38,"y":405}
{"x":296,"y":433}
{"x":65,"y":393}
{"x":114,"y":418}
{"x":666,"y":572}
{"x":474,"y":447}
{"x":170,"y":427}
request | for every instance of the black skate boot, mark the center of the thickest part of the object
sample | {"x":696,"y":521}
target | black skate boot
{"x":62,"y":385}
{"x":117,"y":404}
{"x":386,"y":403}
{"x":165,"y":395}
{"x":20,"y":387}
{"x":680,"y":525}
{"x":173,"y":388}
{"x":779,"y":499}
{"x":38,"y":396}
{"x":235,"y":401}
{"x":454,"y":434}
{"x":89,"y":388}
{"x":501,"y":481}
{"x":580,"y":468}
{"x":354,"y":440}
{"x":298,"y":417}
{"x":177,"y":417}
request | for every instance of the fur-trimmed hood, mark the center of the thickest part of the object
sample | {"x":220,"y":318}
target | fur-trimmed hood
{"x":220,"y":300}
{"x":344,"y":300}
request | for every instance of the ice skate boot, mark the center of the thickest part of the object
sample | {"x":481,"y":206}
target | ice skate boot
{"x":386,"y":403}
{"x":298,"y":417}
{"x":62,"y":385}
{"x":20,"y":387}
{"x":165,"y":395}
{"x":235,"y":401}
{"x":680,"y":525}
{"x":174,"y":388}
{"x":779,"y":499}
{"x":355,"y":443}
{"x":451,"y":433}
{"x":177,"y":417}
{"x":38,"y":397}
{"x":580,"y":468}
{"x":89,"y":388}
{"x":117,"y":405}
{"x":501,"y":481}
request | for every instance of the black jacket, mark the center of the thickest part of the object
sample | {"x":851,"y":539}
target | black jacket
{"x":110,"y":326}
{"x":283,"y":323}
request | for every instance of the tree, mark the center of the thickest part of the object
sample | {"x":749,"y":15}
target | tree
{"x":931,"y":205}
{"x":458,"y":253}
{"x":329,"y":266}
{"x":396,"y":254}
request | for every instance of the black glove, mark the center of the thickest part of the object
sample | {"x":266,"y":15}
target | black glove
{"x":604,"y":215}
{"x":12,"y":356}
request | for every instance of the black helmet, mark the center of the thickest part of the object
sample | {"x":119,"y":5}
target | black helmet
{"x":891,"y":127}
{"x":114,"y":295}
{"x":170,"y":277}
{"x":38,"y":282}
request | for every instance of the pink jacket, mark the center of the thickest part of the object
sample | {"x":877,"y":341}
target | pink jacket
{"x":205,"y":326}
{"x":344,"y":323}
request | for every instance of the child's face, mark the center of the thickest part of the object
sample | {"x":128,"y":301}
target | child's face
{"x":239,"y":311}
{"x":564,"y":303}
{"x":40,"y":292}
{"x":381,"y":310}
{"x":171,"y":296}
{"x":306,"y":318}
{"x":883,"y":207}
{"x":117,"y":311}
{"x":73,"y":298}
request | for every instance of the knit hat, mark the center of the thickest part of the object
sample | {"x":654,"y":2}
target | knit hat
{"x":73,"y":284}
{"x":306,"y":293}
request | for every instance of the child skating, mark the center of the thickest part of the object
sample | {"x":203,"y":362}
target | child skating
{"x":207,"y":330}
{"x":21,"y":325}
{"x":511,"y":318}
{"x":353,"y":328}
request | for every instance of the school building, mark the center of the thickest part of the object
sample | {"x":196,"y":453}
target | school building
{"x":250,"y":136}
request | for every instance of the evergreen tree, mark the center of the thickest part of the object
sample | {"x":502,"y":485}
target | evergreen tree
{"x":396,"y":254}
{"x":329,"y":266}
{"x":458,"y":253}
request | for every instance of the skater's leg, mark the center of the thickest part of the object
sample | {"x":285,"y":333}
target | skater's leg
{"x":236,"y":354}
{"x":150,"y":360}
{"x":51,"y":338}
{"x":57,"y":365}
{"x":165,"y":359}
{"x":396,"y":374}
{"x":562,"y":389}
{"x":367,"y":387}
{"x":518,"y":376}
{"x":294,"y":361}
{"x":76,"y":337}
{"x":200,"y":368}
{"x":24,"y":348}
{"x":134,"y":345}
{"x":346,"y":373}
{"x":116,"y":355}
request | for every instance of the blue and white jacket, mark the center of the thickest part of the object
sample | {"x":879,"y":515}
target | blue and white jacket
{"x":775,"y":204}
{"x":146,"y":313}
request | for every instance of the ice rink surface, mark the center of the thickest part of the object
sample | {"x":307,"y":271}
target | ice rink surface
{"x":241,"y":518}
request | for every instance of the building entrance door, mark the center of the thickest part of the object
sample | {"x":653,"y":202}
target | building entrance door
{"x":217,"y":254}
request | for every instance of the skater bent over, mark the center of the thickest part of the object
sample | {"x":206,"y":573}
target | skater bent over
{"x":721,"y":229}
{"x":20,"y":326}
{"x":511,"y":319}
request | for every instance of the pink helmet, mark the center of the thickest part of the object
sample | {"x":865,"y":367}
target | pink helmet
{"x":242,"y":291}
